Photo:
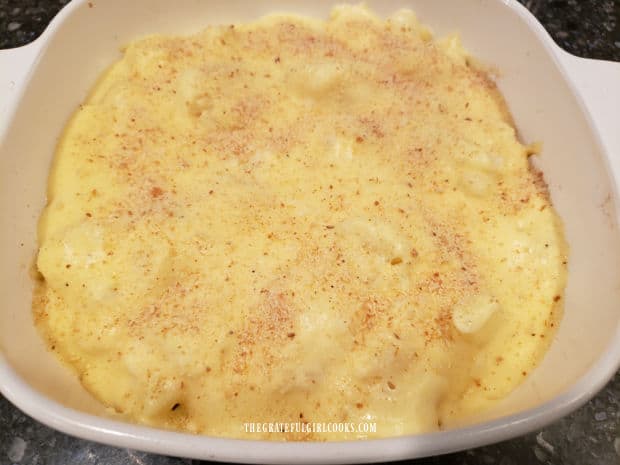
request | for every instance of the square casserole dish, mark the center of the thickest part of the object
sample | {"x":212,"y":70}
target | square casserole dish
{"x":569,"y":103}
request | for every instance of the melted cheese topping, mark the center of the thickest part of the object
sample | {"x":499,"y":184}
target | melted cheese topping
{"x":298,"y":220}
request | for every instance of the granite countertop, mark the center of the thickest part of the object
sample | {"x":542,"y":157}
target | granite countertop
{"x":591,"y":435}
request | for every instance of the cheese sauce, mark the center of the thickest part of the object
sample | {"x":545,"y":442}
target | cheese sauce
{"x":298,"y":220}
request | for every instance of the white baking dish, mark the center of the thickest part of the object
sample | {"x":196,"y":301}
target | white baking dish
{"x":549,"y":93}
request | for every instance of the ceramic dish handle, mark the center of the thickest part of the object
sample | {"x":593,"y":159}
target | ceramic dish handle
{"x":598,"y":83}
{"x":15,"y":64}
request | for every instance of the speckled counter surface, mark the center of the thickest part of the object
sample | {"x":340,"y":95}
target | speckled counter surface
{"x":591,"y":435}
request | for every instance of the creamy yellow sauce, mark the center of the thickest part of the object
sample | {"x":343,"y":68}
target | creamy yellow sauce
{"x":302,"y":221}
